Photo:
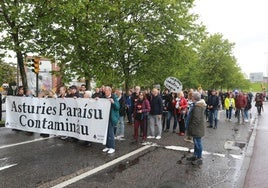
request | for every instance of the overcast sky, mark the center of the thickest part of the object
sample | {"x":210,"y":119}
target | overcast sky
{"x":243,"y":22}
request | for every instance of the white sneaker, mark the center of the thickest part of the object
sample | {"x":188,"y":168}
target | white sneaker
{"x":105,"y":149}
{"x":158,"y":137}
{"x":111,"y":150}
{"x":150,"y":137}
{"x":246,"y":120}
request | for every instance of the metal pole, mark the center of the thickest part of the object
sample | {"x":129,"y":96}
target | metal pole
{"x":36,"y":84}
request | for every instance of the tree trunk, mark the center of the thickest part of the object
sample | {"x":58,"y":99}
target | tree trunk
{"x":88,"y":86}
{"x":22,"y":70}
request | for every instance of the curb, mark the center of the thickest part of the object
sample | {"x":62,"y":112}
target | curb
{"x":248,"y":154}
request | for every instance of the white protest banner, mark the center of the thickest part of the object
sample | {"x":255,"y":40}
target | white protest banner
{"x":84,"y":119}
{"x":173,"y":84}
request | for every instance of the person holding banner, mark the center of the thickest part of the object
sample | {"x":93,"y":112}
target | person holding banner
{"x":113,"y":119}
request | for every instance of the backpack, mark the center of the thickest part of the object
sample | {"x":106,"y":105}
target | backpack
{"x":248,"y":107}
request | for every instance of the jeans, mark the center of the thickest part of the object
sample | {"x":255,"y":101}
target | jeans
{"x":169,"y":116}
{"x":155,"y":120}
{"x":198,"y":147}
{"x":110,"y":136}
{"x":181,"y":120}
{"x":129,"y":115}
{"x":240,"y":111}
{"x":121,"y":126}
{"x":229,"y":113}
{"x":246,"y":114}
{"x":164,"y":119}
{"x":213,"y":115}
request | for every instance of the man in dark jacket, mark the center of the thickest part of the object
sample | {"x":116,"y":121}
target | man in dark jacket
{"x":119,"y":132}
{"x":213,"y":104}
{"x":156,"y":104}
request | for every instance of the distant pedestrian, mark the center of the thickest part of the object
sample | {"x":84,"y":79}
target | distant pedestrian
{"x":182,"y":108}
{"x":155,"y":116}
{"x":172,"y":112}
{"x":120,"y":131}
{"x":213,"y":105}
{"x":129,"y":106}
{"x":229,"y":105}
{"x":259,"y":102}
{"x":240,"y":105}
{"x":195,"y":124}
{"x":247,"y":108}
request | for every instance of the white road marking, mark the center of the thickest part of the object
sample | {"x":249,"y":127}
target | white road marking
{"x":21,"y":143}
{"x":4,"y":159}
{"x":8,"y":166}
{"x":102,"y":167}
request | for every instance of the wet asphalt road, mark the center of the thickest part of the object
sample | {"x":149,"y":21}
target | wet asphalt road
{"x":51,"y":161}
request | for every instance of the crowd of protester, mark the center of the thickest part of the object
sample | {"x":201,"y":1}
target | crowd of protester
{"x":152,"y":112}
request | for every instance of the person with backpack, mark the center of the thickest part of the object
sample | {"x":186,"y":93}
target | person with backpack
{"x":259,"y":102}
{"x":248,"y":107}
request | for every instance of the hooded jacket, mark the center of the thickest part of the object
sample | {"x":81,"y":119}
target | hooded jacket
{"x":196,"y":121}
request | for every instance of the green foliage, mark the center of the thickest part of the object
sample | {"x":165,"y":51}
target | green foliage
{"x":124,"y":42}
{"x":7,"y":72}
{"x":217,"y":66}
{"x":120,"y":43}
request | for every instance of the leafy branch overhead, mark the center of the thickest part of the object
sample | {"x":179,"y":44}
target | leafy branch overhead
{"x":121,"y":43}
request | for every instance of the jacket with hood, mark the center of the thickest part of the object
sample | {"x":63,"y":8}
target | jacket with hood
{"x":196,"y":121}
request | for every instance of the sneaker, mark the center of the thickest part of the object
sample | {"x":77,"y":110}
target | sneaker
{"x":188,"y":139}
{"x":150,"y":137}
{"x":246,"y":120}
{"x":158,"y":137}
{"x":193,"y":158}
{"x":197,"y":162}
{"x":181,"y":134}
{"x":105,"y":149}
{"x":111,"y":150}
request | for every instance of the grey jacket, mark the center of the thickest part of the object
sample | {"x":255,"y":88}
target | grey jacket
{"x":196,"y":126}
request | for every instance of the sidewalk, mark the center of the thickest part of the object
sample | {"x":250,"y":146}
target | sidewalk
{"x":257,"y":174}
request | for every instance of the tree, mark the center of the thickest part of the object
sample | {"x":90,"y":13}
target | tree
{"x":217,"y":65}
{"x":7,"y":72}
{"x":124,"y":42}
{"x":19,"y":22}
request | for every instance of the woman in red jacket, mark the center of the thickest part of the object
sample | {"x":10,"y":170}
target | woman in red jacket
{"x":181,"y":106}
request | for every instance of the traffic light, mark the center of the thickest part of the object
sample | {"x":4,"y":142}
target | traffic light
{"x":36,"y":63}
